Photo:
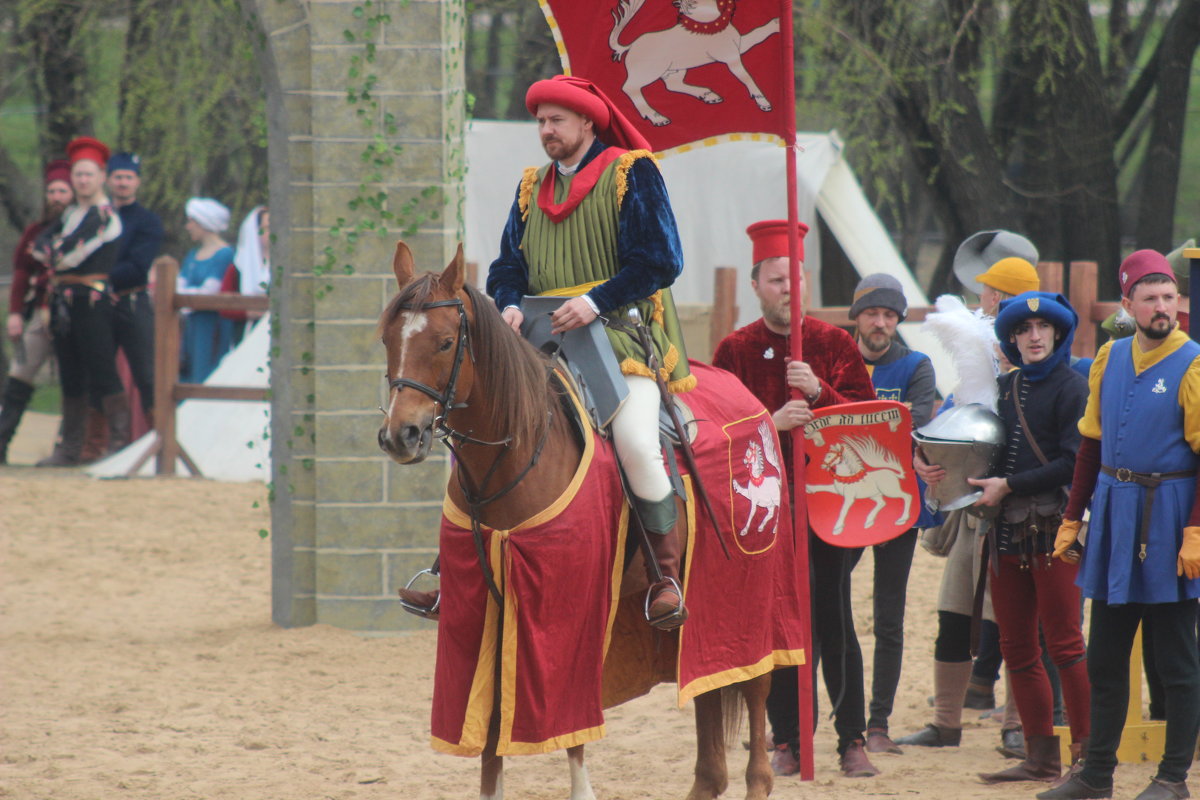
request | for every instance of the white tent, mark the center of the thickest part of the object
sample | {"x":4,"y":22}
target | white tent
{"x":716,"y":192}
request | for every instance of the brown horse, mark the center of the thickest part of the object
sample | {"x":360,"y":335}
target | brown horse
{"x":457,"y":370}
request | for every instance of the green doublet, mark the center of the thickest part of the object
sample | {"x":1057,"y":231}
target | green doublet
{"x":581,"y":251}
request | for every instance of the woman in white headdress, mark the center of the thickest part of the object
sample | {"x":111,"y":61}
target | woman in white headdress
{"x":207,"y":335}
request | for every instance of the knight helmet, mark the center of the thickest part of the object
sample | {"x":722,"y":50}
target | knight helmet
{"x":967,"y":441}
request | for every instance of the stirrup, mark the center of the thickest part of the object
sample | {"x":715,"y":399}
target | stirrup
{"x":672,"y":619}
{"x":424,"y":612}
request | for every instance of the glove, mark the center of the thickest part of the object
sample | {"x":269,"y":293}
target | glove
{"x":1189,"y":554}
{"x":1068,"y":535}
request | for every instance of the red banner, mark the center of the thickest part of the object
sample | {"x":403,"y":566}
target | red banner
{"x":682,"y":71}
{"x":860,"y":482}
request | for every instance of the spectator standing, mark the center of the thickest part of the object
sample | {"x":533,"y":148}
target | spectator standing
{"x":905,"y":376}
{"x":1141,"y":562}
{"x":28,"y":324}
{"x":833,"y":373}
{"x":81,"y":248}
{"x":207,"y":334}
{"x":140,"y":243}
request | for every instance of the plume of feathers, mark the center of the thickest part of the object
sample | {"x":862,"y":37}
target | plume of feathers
{"x":970,"y":340}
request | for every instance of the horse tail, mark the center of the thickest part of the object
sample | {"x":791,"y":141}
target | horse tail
{"x":621,"y":15}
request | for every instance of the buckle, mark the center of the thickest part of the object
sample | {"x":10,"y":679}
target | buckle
{"x":1124,"y":474}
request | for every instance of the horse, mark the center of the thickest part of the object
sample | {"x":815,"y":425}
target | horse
{"x":704,"y":35}
{"x":862,"y":470}
{"x":457,"y":371}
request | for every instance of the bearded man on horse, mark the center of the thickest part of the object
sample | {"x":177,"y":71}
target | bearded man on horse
{"x":596,"y":225}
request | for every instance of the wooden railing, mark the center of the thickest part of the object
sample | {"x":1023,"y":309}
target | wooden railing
{"x":168,"y":391}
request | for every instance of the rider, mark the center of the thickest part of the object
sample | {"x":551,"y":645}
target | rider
{"x":595,"y":225}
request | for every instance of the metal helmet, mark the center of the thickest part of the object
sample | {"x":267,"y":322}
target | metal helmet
{"x":967,"y":441}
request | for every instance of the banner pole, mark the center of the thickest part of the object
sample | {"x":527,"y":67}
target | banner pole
{"x":799,"y":500}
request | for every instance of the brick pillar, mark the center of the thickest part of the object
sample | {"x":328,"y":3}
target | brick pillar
{"x":347,"y":525}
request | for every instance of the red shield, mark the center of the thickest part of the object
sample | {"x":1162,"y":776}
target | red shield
{"x":680,"y":72}
{"x":860,"y":482}
{"x":758,"y":507}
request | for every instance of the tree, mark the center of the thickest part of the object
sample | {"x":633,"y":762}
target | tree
{"x":1012,"y":115}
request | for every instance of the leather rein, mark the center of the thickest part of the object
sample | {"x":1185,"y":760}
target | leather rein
{"x":474,"y":493}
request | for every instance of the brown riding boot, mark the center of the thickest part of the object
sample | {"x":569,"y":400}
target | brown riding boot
{"x":950,"y":680}
{"x":664,"y":600}
{"x":70,"y":434}
{"x":1043,"y":762}
{"x":95,"y":437}
{"x":117,"y":414}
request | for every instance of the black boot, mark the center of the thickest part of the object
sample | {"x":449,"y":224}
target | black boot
{"x":116,"y":412}
{"x":16,"y":397}
{"x":664,"y":600}
{"x":70,"y":436}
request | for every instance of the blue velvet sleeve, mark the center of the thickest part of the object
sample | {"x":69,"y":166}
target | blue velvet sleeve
{"x":648,"y":245}
{"x":508,"y":276}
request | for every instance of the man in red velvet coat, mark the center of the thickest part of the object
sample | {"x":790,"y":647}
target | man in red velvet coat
{"x":833,"y":372}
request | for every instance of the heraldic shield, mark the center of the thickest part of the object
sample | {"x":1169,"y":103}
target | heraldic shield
{"x":860,"y":482}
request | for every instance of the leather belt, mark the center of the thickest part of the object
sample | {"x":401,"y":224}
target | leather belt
{"x":97,"y":281}
{"x":1150,"y":480}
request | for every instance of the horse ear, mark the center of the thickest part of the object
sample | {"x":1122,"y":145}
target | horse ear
{"x":456,"y":272}
{"x":402,"y":264}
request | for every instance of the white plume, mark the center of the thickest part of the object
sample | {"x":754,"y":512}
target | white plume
{"x":970,"y":340}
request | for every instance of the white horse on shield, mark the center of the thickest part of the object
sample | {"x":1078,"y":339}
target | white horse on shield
{"x":862,"y":469}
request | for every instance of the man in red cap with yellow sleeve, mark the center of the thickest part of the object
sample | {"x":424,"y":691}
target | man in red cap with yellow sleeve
{"x":832,"y":373}
{"x":595,"y":225}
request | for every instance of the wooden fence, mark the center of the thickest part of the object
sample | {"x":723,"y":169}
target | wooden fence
{"x":168,"y":391}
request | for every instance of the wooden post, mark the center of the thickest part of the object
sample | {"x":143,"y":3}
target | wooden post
{"x":166,"y":362}
{"x":1084,"y":275}
{"x":1050,"y":275}
{"x":724,"y":309}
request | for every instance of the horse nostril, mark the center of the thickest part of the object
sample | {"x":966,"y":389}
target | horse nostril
{"x":410,"y":435}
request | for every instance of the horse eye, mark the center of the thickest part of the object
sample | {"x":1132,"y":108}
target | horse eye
{"x":446,"y":345}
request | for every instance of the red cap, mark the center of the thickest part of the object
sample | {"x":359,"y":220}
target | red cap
{"x":58,"y":170}
{"x":584,"y":97}
{"x":770,"y":239}
{"x":1140,"y":264}
{"x":86,"y":147}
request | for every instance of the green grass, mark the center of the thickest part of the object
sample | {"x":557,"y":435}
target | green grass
{"x":47,"y":399}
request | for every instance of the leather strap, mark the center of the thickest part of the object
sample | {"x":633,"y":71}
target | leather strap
{"x":1151,"y":481}
{"x":1016,"y":391}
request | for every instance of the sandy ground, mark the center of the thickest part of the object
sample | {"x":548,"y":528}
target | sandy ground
{"x":138,"y":660}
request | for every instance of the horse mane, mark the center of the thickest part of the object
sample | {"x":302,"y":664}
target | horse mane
{"x":873,"y":454}
{"x":507,"y":367}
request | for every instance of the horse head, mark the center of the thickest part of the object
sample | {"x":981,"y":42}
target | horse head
{"x":425,"y":331}
{"x":834,"y":456}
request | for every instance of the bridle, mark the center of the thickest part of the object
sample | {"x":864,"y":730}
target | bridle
{"x":473,"y":492}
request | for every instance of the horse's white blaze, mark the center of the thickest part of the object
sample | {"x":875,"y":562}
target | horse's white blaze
{"x":414,"y":323}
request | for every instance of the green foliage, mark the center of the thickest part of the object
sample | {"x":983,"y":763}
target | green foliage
{"x":194,"y":107}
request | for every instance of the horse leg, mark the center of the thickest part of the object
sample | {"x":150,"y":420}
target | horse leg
{"x":879,"y":504}
{"x":581,"y":785}
{"x":840,"y":524}
{"x":770,"y":515}
{"x":711,"y":778}
{"x":753,"y":510}
{"x":675,"y":82}
{"x":759,"y":777}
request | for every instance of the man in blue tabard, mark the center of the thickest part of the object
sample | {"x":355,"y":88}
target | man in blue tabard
{"x":595,"y":225}
{"x":907,"y":377}
{"x":140,"y":242}
{"x":1141,"y":562}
